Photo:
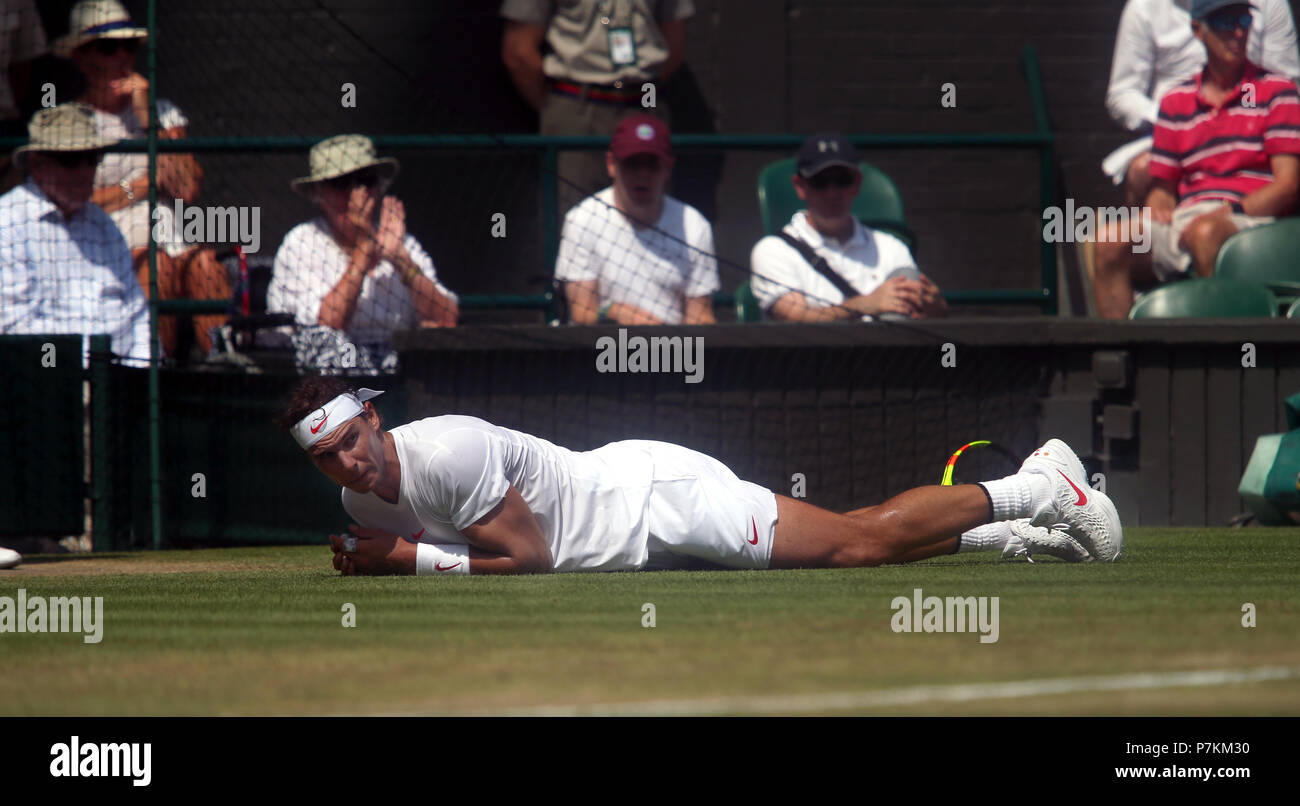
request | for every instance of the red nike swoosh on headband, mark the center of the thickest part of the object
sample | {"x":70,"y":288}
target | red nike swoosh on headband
{"x":318,"y":426}
{"x":1083,"y":499}
{"x":753,"y":542}
{"x":438,"y":567}
{"x":416,"y":536}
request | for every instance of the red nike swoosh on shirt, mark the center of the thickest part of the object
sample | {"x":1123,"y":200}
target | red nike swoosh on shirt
{"x":754,"y":542}
{"x":416,"y":536}
{"x":318,"y":426}
{"x":438,"y":567}
{"x":1083,"y":499}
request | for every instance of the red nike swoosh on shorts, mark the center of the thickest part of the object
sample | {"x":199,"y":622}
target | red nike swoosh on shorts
{"x":754,"y":542}
{"x":438,"y":567}
{"x":319,"y":425}
{"x":1083,"y":499}
{"x":416,"y":536}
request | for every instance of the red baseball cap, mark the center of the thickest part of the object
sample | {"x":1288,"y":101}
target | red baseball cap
{"x":641,"y":134}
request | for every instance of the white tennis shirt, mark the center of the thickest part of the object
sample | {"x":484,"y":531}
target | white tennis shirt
{"x":592,"y":506}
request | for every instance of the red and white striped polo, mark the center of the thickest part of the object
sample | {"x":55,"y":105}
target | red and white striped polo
{"x":1223,"y":152}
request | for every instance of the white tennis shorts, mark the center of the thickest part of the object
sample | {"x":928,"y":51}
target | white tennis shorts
{"x":1169,"y":260}
{"x":700,"y":510}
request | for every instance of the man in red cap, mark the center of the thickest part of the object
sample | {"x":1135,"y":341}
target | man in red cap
{"x":631,"y":254}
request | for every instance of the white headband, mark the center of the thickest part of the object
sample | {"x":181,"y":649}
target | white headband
{"x":317,"y":425}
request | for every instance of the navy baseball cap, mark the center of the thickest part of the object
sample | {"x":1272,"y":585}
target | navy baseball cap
{"x":821,"y":151}
{"x":1203,"y":8}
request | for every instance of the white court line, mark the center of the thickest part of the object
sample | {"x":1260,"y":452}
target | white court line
{"x":912,"y":695}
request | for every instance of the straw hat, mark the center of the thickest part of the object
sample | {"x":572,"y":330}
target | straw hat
{"x":343,"y":155}
{"x":67,"y":127}
{"x":96,"y":19}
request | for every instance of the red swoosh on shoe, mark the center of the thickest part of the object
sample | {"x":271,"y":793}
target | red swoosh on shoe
{"x":1083,"y":499}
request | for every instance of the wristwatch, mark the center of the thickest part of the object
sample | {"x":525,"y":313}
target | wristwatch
{"x":125,"y":184}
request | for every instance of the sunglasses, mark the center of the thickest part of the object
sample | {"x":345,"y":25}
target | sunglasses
{"x":833,"y":178}
{"x":108,"y":47}
{"x":1229,"y":22}
{"x":368,"y":180}
{"x":641,"y":162}
{"x":74,"y":159}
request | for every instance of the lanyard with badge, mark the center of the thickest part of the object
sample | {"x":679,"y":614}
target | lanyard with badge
{"x":622,"y":45}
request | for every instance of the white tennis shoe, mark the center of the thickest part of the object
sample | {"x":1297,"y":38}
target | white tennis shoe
{"x":1027,"y":540}
{"x":9,"y":558}
{"x":1088,"y":515}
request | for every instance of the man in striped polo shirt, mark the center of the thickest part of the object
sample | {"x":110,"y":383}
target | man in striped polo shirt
{"x":1224,"y":158}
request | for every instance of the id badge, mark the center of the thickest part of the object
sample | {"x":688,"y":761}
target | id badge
{"x":622,"y":48}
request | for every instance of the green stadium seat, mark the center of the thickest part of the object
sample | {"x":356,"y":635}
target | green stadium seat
{"x":747,"y":307}
{"x":878,"y":205}
{"x":1206,"y":297}
{"x":1265,"y":255}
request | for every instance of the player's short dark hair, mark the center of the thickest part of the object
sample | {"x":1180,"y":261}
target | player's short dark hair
{"x":310,"y":394}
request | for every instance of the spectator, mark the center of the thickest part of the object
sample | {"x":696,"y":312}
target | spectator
{"x":1156,"y":49}
{"x":354,"y":274}
{"x":22,"y":40}
{"x":601,"y":53}
{"x":64,"y":266}
{"x":1224,"y":157}
{"x":827,"y":265}
{"x":631,"y":254}
{"x":102,"y":43}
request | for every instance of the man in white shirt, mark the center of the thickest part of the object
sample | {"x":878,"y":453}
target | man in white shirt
{"x":1155,"y":49}
{"x":456,"y":494}
{"x":632,"y":254}
{"x":64,"y":265}
{"x":857,"y":272}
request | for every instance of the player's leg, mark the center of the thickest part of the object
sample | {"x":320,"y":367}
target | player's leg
{"x":916,"y":524}
{"x":1049,"y":491}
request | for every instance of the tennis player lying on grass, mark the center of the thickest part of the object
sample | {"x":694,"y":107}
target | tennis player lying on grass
{"x":458,"y":495}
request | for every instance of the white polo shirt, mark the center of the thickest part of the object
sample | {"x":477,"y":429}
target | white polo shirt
{"x":865,"y":261}
{"x":654,"y":268}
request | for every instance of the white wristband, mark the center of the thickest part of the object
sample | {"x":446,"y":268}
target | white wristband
{"x":441,"y":558}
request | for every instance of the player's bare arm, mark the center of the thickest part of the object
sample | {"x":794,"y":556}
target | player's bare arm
{"x":509,"y":540}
